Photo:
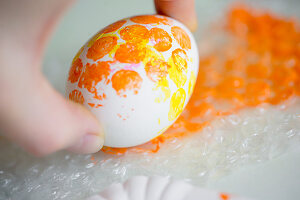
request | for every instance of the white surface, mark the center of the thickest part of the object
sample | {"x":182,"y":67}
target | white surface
{"x":157,"y":188}
{"x":276,"y":179}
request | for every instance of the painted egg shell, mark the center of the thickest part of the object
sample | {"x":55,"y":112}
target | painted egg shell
{"x":136,"y":75}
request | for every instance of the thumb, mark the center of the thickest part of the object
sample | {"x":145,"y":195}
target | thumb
{"x":32,"y":113}
{"x":48,"y":123}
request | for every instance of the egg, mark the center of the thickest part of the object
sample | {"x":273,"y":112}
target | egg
{"x":136,"y":76}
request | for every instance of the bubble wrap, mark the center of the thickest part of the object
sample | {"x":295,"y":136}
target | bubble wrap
{"x":251,"y":136}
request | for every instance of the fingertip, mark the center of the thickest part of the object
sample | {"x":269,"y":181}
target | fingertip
{"x":92,"y":137}
{"x":88,"y":144}
{"x":182,"y":10}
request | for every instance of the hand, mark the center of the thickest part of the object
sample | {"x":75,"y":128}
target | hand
{"x":32,"y":113}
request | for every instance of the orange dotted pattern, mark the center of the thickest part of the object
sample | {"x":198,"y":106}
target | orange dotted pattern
{"x":258,"y":64}
{"x":93,"y":74}
{"x":140,"y":45}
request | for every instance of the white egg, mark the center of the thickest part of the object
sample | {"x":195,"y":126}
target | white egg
{"x":135,"y":76}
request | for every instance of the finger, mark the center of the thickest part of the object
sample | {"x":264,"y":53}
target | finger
{"x":182,"y":10}
{"x":87,"y":144}
{"x":35,"y":115}
{"x":46,"y":122}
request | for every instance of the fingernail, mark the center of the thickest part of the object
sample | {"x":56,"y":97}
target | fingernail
{"x":88,"y":144}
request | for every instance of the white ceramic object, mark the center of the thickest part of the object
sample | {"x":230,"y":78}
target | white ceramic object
{"x":159,"y":188}
{"x":136,"y":76}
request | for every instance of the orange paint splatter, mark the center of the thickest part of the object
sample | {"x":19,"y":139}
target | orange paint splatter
{"x":124,"y":80}
{"x":92,"y":105}
{"x":75,"y":70}
{"x":114,"y":151}
{"x":76,"y":96}
{"x":130,"y":53}
{"x":257,"y":93}
{"x":101,"y":47}
{"x":135,"y":34}
{"x":224,"y":196}
{"x":92,"y":75}
{"x":161,"y":38}
{"x":181,"y":37}
{"x":149,"y":19}
{"x":156,"y":70}
{"x":257,"y":71}
{"x":113,"y":27}
{"x":283,"y":76}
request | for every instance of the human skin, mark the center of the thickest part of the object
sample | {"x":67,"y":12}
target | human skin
{"x":32,"y":114}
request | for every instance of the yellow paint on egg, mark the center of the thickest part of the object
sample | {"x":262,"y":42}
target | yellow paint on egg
{"x":163,"y":85}
{"x":78,"y":54}
{"x":178,"y":77}
{"x":113,"y":51}
{"x":192,"y":83}
{"x":162,"y":131}
{"x":94,"y":38}
{"x":176,"y":104}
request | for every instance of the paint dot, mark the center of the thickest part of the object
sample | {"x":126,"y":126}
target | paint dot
{"x":180,"y":59}
{"x":156,"y":70}
{"x":113,"y":27}
{"x":161,"y":38}
{"x":93,"y":74}
{"x":181,"y":37}
{"x":149,"y":19}
{"x":224,"y":196}
{"x":124,"y":80}
{"x":130,"y":53}
{"x":101,"y":47}
{"x":176,"y":104}
{"x":76,"y":96}
{"x":91,"y":104}
{"x":75,"y":70}
{"x":135,"y":33}
{"x":178,"y":69}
